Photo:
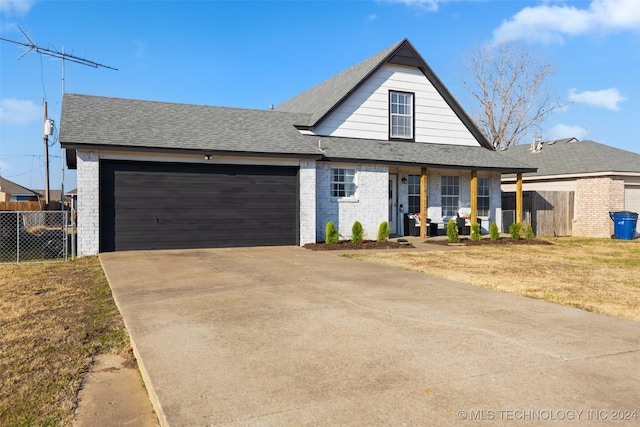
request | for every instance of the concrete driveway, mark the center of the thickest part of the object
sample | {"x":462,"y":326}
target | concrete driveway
{"x":286,"y":336}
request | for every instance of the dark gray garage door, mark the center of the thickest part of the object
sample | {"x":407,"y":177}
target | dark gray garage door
{"x":179,"y":206}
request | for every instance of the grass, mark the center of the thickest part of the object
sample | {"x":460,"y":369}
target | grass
{"x":54,"y":317}
{"x":599,"y":275}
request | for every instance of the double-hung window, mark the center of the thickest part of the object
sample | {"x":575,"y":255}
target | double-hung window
{"x":450,"y":195}
{"x":484,"y":197}
{"x":343,"y":182}
{"x":414,"y":193}
{"x":400,"y":115}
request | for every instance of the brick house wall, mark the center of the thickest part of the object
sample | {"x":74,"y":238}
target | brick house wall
{"x":594,"y":199}
{"x":370,"y":206}
{"x":307,"y":202}
{"x":88,"y":203}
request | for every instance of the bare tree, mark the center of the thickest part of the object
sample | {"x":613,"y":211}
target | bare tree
{"x":510,"y":84}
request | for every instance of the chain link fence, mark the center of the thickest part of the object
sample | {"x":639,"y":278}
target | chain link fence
{"x":36,"y":236}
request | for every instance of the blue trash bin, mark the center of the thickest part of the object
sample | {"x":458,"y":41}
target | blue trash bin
{"x":624,"y":225}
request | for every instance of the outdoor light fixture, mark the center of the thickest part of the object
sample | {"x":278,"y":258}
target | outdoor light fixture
{"x":207,"y":156}
{"x":404,"y":180}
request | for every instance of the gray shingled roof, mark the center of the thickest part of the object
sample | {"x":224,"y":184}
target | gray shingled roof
{"x":320,"y":99}
{"x":10,"y":187}
{"x":93,"y":122}
{"x":98,"y":121}
{"x":417,"y":154}
{"x":563,"y":157}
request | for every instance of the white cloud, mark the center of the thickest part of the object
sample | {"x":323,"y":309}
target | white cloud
{"x":606,"y":98}
{"x":552,"y":23}
{"x":566,"y":131}
{"x":19,"y":111}
{"x":429,"y":5}
{"x":17,"y":7}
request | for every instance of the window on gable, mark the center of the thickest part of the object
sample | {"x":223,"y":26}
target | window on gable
{"x":450,"y":195}
{"x":343,"y":182}
{"x":484,"y":196}
{"x":400,"y":115}
{"x":414,"y":193}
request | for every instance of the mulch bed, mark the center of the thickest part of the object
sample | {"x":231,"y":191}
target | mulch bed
{"x":465,"y":241}
{"x":346,"y":245}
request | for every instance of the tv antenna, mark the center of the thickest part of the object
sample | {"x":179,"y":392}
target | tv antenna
{"x":48,"y":124}
{"x":56,"y":54}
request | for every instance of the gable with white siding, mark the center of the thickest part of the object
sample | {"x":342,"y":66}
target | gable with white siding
{"x":365,"y":114}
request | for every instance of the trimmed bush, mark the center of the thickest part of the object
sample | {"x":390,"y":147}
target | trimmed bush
{"x":357,"y":233}
{"x":383,"y":231}
{"x":515,"y":230}
{"x":494,"y":232}
{"x":476,"y":232}
{"x":528,"y":232}
{"x":452,"y":231}
{"x":332,"y":233}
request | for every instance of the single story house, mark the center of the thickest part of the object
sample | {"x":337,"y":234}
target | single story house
{"x":55,"y":196}
{"x":599,"y":178}
{"x":12,"y":192}
{"x":379,"y":140}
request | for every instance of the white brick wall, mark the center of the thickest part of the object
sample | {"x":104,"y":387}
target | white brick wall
{"x":370,"y":206}
{"x":88,"y":178}
{"x":307,"y":202}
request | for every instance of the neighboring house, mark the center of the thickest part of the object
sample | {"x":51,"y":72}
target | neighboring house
{"x":12,"y":192}
{"x":54,"y":196}
{"x":379,"y":140}
{"x":601,"y":178}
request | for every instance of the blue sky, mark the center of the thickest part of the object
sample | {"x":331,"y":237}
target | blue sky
{"x":251,"y":54}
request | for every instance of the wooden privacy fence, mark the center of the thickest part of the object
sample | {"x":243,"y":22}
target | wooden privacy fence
{"x":29,"y":206}
{"x":550,"y":212}
{"x":21,"y":206}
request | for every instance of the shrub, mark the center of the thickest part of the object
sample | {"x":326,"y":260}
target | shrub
{"x":383,"y":231}
{"x":528,"y":232}
{"x":452,"y":231}
{"x":332,"y":233}
{"x":357,"y":233}
{"x":515,"y":230}
{"x":494,"y":232}
{"x":476,"y":232}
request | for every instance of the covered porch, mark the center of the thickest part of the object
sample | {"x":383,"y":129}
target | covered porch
{"x":422,"y":200}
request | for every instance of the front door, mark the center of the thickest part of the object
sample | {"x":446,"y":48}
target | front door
{"x":393,"y":203}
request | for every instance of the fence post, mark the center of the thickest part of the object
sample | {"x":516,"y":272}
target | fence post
{"x":73,"y":233}
{"x":17,"y":236}
{"x":65,"y":236}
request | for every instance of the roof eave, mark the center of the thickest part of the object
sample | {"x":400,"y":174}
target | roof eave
{"x":426,"y":165}
{"x":192,"y":151}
